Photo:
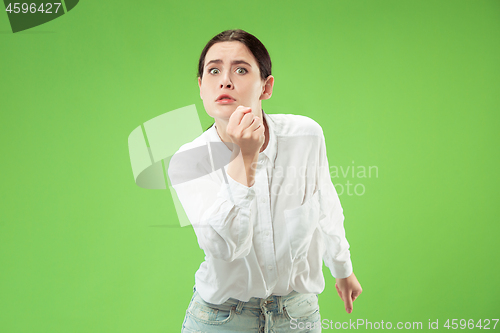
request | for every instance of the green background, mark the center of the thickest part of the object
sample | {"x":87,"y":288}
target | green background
{"x":411,"y":87}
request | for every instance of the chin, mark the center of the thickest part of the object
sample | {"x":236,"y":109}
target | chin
{"x":223,"y":112}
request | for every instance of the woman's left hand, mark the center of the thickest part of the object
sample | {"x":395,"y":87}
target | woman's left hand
{"x":349,"y":289}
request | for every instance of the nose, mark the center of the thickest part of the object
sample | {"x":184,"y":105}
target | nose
{"x":226,"y":82}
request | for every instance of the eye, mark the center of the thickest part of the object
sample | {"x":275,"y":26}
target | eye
{"x":241,"y":70}
{"x":213,"y":71}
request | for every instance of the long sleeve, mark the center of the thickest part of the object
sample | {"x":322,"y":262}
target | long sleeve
{"x":219,"y":212}
{"x":336,"y":255}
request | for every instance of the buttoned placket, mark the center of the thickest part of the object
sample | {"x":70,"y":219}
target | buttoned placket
{"x":265,"y":224}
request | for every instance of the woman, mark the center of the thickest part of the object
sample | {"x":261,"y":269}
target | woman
{"x":264,"y":209}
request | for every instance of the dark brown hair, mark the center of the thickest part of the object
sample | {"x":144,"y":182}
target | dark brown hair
{"x":255,"y":46}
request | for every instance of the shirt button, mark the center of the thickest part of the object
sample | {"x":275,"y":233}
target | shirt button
{"x":270,"y":267}
{"x":263,"y":200}
{"x":267,"y":233}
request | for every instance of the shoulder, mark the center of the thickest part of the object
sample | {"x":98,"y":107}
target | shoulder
{"x":198,"y":142}
{"x":294,"y":124}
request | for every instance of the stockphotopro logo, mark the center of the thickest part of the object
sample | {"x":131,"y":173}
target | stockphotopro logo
{"x":26,"y":15}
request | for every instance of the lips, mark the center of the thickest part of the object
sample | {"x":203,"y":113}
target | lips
{"x":225,"y":98}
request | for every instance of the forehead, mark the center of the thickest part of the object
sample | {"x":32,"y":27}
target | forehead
{"x":227,"y":51}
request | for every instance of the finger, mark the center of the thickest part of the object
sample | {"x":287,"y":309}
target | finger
{"x":246,"y":121}
{"x":355,"y":294}
{"x":256,"y":123}
{"x":339,"y":291}
{"x":348,"y":301}
{"x":237,"y":115}
{"x":260,"y":133}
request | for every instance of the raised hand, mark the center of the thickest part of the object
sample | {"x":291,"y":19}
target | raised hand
{"x":246,"y":130}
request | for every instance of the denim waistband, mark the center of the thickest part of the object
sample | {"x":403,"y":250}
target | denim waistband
{"x":273,"y":301}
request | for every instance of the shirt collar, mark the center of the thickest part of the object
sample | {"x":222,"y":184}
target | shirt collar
{"x":269,"y":152}
{"x":271,"y":148}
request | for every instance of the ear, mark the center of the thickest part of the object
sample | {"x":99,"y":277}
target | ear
{"x":267,"y":90}
{"x":199,"y":85}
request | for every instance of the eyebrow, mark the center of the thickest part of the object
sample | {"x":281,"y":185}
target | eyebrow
{"x":234,"y":62}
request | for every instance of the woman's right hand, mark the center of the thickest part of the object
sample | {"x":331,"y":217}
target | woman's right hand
{"x":246,"y":130}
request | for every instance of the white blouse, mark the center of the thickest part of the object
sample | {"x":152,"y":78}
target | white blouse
{"x":269,"y":238}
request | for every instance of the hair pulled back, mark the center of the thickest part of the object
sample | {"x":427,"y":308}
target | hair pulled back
{"x":255,"y":46}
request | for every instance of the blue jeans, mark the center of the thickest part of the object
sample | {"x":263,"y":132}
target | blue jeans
{"x":292,"y":313}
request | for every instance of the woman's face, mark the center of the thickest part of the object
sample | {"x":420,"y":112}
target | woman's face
{"x":231,"y":77}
